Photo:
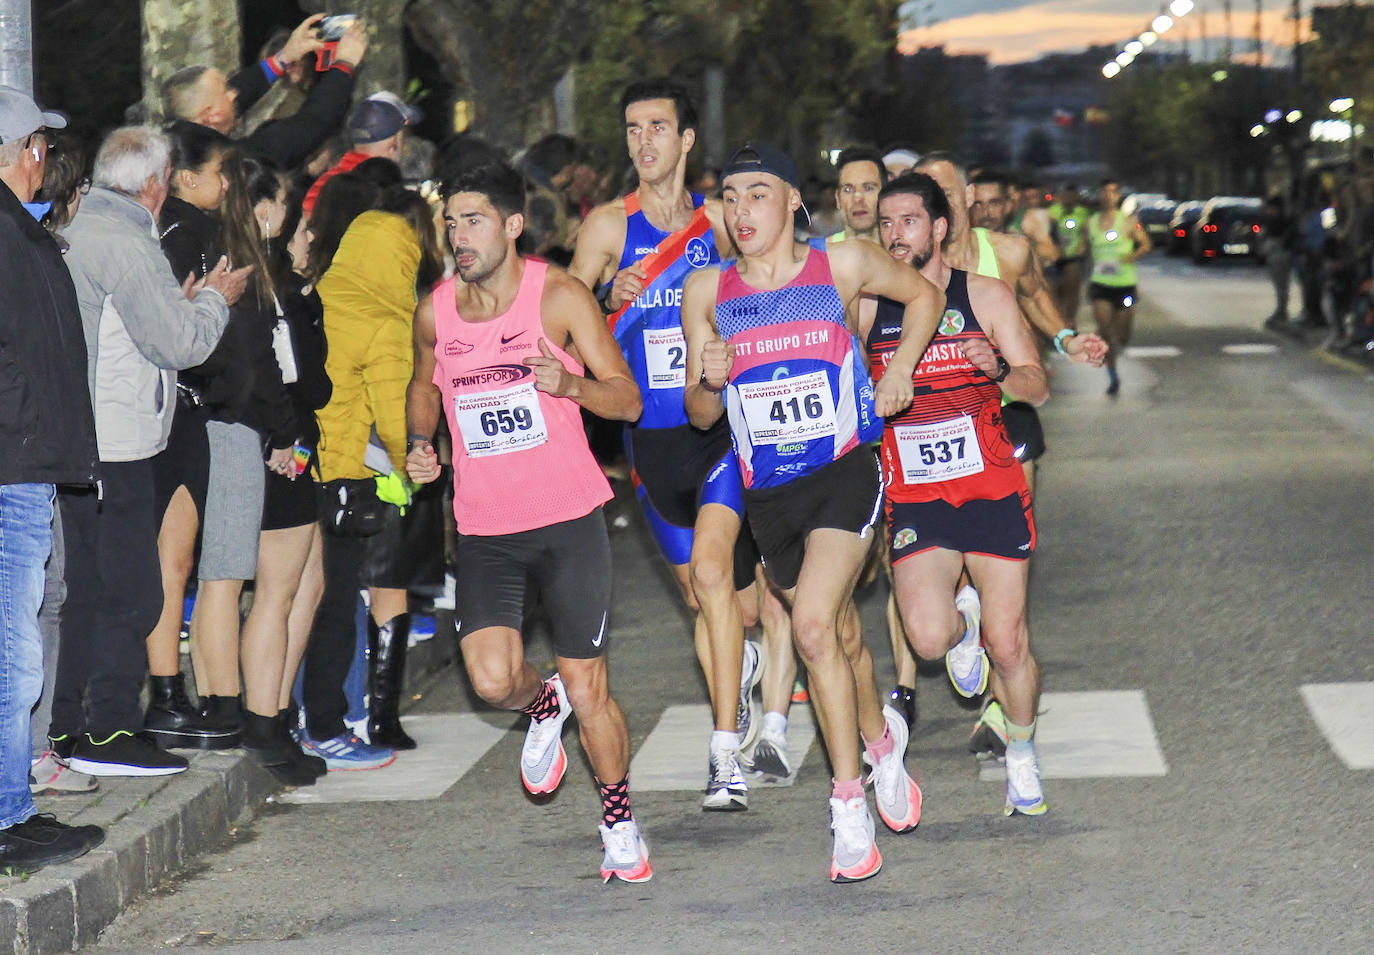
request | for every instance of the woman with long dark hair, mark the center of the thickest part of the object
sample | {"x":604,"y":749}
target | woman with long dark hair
{"x":290,"y":571}
{"x":191,"y":240}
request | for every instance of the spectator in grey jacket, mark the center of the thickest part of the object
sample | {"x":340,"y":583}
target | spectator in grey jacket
{"x":141,"y":325}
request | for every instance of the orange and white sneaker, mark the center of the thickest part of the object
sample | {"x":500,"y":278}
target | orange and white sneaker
{"x":896,"y":793}
{"x":627,"y":854}
{"x":855,"y":854}
{"x":543,"y":760}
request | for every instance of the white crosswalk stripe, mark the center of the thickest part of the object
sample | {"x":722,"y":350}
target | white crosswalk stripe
{"x":1093,"y":734}
{"x":449,"y":745}
{"x":674,"y":755}
{"x":1252,"y":348}
{"x":1344,"y":712}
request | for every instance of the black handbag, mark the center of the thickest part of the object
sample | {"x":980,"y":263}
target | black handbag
{"x":352,"y":507}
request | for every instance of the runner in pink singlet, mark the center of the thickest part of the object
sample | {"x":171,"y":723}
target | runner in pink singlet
{"x":493,"y":352}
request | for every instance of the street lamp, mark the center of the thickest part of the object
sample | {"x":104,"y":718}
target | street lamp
{"x":1293,"y":115}
{"x":1257,"y":130}
{"x":1181,"y":8}
{"x":1342,"y":104}
{"x":1162,"y":23}
{"x":1111,"y":69}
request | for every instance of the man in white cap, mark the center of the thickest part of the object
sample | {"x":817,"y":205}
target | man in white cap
{"x":376,"y":128}
{"x":48,"y":438}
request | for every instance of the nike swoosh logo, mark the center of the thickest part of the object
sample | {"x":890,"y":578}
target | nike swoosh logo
{"x":600,"y":634}
{"x":507,"y":341}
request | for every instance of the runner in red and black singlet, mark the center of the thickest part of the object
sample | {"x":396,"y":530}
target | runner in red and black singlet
{"x":956,"y":497}
{"x":494,"y":352}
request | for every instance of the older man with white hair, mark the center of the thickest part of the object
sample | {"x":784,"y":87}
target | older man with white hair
{"x":140,"y":325}
{"x":47,"y":437}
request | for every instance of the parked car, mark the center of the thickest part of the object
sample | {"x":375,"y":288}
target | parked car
{"x":1181,"y":226}
{"x":1228,"y":226}
{"x":1154,"y":217}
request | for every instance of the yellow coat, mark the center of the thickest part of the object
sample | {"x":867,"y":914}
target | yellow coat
{"x":369,"y":302}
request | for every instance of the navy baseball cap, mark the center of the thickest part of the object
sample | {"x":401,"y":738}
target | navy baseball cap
{"x":760,"y":156}
{"x":376,"y":118}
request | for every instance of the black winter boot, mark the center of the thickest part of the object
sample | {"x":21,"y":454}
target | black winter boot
{"x":265,"y":740}
{"x":386,"y":657}
{"x":222,"y":712}
{"x":174,"y":723}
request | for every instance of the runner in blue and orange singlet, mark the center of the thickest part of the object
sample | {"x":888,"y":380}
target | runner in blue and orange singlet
{"x":640,"y":249}
{"x":770,"y":336}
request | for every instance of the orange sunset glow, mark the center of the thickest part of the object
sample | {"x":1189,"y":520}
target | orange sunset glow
{"x":1011,"y":36}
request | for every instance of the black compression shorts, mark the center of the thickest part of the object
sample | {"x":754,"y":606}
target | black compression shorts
{"x":569,"y":567}
{"x":846,"y":494}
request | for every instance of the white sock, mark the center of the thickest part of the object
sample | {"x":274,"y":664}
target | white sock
{"x":723,"y":739}
{"x":775,"y":723}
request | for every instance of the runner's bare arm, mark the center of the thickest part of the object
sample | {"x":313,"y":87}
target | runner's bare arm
{"x":868,"y":310}
{"x":1143,"y":245}
{"x":571,"y":317}
{"x":1033,"y":295}
{"x":598,"y":245}
{"x":995,"y":306}
{"x":865,"y":268}
{"x":423,"y":397}
{"x":708,"y":358}
{"x":715,"y":212}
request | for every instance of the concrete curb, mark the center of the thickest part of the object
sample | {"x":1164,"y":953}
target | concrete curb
{"x":153,"y":829}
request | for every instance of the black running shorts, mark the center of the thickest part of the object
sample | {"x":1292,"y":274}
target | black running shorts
{"x":1121,"y":296}
{"x":567,"y":565}
{"x":1022,"y":422}
{"x":846,"y":495}
{"x":1001,"y":528}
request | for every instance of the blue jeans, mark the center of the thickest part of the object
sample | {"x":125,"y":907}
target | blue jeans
{"x":25,"y":540}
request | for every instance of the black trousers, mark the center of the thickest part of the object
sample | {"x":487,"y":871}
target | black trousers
{"x":114,"y":599}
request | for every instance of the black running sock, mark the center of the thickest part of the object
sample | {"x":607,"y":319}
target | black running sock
{"x":615,"y":801}
{"x":544,"y":704}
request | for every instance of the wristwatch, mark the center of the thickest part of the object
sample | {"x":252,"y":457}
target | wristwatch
{"x":1003,"y":369}
{"x":1061,"y":336}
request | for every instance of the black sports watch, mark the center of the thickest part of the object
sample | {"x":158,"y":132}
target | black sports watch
{"x":1003,"y":369}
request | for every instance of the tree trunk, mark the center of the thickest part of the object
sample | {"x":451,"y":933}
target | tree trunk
{"x":385,"y":65}
{"x":180,"y":33}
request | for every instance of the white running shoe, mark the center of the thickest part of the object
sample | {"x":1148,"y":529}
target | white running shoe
{"x":543,"y":760}
{"x":966,"y":661}
{"x":627,"y":854}
{"x":895,"y":792}
{"x":854,"y":856}
{"x":726,"y":790}
{"x":1024,"y":793}
{"x":747,"y":719}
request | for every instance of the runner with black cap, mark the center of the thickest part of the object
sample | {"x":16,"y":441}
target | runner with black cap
{"x":771,"y":344}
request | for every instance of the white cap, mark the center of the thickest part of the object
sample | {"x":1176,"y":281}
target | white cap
{"x":20,"y":116}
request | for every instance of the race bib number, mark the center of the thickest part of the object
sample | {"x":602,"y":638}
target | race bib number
{"x":665,"y":354}
{"x":938,"y":452}
{"x":1107,"y":269}
{"x":788,"y":410}
{"x":499,"y":422}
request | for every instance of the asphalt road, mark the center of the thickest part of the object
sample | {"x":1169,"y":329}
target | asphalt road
{"x":1205,"y":544}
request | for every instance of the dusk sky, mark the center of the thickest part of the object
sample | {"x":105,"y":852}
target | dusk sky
{"x":1013,"y":30}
